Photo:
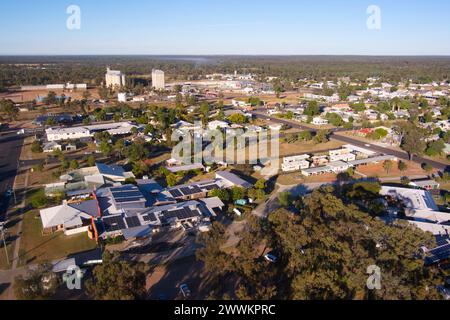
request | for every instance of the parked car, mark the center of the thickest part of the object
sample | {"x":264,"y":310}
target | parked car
{"x":185,"y":291}
{"x":272,"y":258}
{"x":9,"y":193}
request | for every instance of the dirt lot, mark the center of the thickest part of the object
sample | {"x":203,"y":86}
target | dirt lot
{"x":165,"y":280}
{"x":289,"y":149}
{"x":24,"y":96}
{"x":377,"y":170}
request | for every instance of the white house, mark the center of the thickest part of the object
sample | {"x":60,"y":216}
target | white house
{"x":51,"y":146}
{"x":342,"y":155}
{"x":213,"y":125}
{"x":295,"y":163}
{"x":319,"y":121}
{"x":73,"y":133}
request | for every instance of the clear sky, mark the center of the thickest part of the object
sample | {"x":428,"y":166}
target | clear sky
{"x":207,"y":27}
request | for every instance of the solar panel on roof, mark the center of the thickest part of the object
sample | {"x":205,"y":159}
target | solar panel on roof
{"x":125,"y":187}
{"x":114,"y":224}
{"x":176,"y":193}
{"x":150,"y":217}
{"x":204,"y":211}
{"x":124,"y":200}
{"x":127,"y":194}
{"x":133,"y":222}
{"x":186,"y":191}
{"x":196,"y":189}
{"x":211,"y":187}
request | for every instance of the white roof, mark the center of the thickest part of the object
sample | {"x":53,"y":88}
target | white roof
{"x":412,"y":198}
{"x":62,"y":215}
{"x":213,"y":202}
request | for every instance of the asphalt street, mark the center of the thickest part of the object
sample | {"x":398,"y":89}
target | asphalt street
{"x":10,"y":148}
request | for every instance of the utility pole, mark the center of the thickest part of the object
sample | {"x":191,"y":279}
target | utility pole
{"x":2,"y":230}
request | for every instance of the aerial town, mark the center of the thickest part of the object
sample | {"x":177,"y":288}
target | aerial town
{"x":224,"y":178}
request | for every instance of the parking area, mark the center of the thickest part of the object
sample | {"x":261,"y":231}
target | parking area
{"x":164,"y":282}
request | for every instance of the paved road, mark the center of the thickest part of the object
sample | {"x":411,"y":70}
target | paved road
{"x":10,"y":149}
{"x":399,"y":154}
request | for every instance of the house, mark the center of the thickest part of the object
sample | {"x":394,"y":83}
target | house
{"x":318,"y":161}
{"x":372,"y":160}
{"x":186,"y":168}
{"x":358,"y":151}
{"x":425,"y":184}
{"x":332,"y":167}
{"x":82,"y":260}
{"x":420,"y":208}
{"x":74,"y":133}
{"x":339,"y":166}
{"x":51,"y":147}
{"x":127,"y":198}
{"x":70,"y":147}
{"x":113,"y":172}
{"x":342,"y":155}
{"x":231,"y":180}
{"x":319,"y":121}
{"x":213,"y":125}
{"x":295,"y":163}
{"x":72,"y":218}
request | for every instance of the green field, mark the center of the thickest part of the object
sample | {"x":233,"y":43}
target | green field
{"x":36,"y":248}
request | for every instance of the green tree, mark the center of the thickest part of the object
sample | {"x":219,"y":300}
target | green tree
{"x":402,"y":166}
{"x":387,"y":166}
{"x":237,"y":193}
{"x":117,"y":279}
{"x":91,"y":161}
{"x":305,"y":136}
{"x":39,"y":200}
{"x":222,"y":194}
{"x":105,"y":148}
{"x":74,"y":165}
{"x":312,"y":109}
{"x":36,"y":147}
{"x":9,"y":108}
{"x":284,"y":199}
{"x":261,"y":184}
{"x":322,"y":136}
{"x":38,"y":284}
{"x":171,"y":180}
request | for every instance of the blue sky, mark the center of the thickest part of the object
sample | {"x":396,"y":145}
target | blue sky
{"x":326,"y":27}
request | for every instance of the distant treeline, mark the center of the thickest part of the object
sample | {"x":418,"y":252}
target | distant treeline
{"x":35,"y":70}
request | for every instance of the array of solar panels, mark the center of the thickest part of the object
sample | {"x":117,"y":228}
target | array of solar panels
{"x":191,"y":190}
{"x":127,"y":194}
{"x":114,"y":223}
{"x":439,"y":254}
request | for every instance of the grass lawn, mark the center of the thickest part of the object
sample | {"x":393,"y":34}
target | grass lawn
{"x":3,"y":261}
{"x":36,"y":248}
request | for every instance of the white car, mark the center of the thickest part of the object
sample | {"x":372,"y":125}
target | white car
{"x":185,"y":291}
{"x":271,"y":258}
{"x":20,"y":132}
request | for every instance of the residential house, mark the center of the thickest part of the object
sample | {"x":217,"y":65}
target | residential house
{"x":51,"y":147}
{"x":72,"y":218}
